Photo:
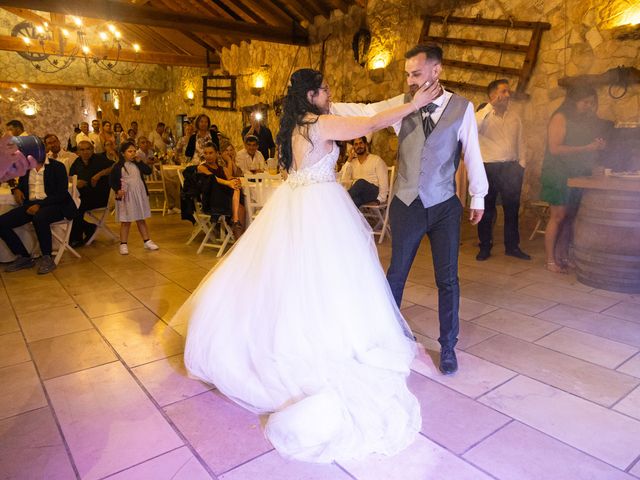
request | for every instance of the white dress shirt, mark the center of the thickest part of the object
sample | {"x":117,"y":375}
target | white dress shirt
{"x":246,"y":163}
{"x":467,"y":135}
{"x":373,"y":170}
{"x":157,"y":143}
{"x":500,"y":136}
{"x":36,"y":183}
{"x":67,"y":158}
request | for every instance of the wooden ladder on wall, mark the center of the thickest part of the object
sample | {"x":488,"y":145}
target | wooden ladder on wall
{"x":530,"y":51}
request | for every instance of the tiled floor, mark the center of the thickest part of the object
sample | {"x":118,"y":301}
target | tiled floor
{"x":93,"y":385}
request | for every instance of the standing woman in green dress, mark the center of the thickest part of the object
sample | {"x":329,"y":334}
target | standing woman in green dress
{"x":575,"y":136}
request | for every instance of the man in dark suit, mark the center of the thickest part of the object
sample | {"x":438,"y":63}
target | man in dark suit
{"x":43,"y":198}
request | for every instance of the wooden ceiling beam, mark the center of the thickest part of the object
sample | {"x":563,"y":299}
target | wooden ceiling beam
{"x":14,"y":44}
{"x":127,"y":13}
{"x":301,"y":8}
{"x":290,"y":12}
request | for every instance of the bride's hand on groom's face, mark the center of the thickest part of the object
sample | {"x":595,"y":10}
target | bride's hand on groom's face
{"x":427,"y":93}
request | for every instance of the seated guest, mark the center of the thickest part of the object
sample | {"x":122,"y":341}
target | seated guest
{"x":228,"y":159}
{"x":16,"y":128}
{"x":204,"y":133}
{"x":54,"y":150}
{"x":110,"y":151}
{"x":365,"y":174}
{"x":249,"y":159}
{"x":93,"y":184}
{"x":144,"y":152}
{"x":223,"y":197}
{"x":156,"y":140}
{"x":84,"y":134}
{"x":187,"y":128}
{"x":43,"y":198}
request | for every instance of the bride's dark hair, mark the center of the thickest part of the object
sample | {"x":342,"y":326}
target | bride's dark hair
{"x":294,"y":108}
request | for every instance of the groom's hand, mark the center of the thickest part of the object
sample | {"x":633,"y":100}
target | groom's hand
{"x":476,"y":216}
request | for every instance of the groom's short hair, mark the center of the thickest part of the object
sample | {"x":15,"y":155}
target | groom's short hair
{"x":431,"y":51}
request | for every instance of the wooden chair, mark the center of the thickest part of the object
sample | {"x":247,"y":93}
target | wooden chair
{"x":380,"y":212}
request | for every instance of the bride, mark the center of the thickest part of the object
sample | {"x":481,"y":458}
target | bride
{"x":298,"y":321}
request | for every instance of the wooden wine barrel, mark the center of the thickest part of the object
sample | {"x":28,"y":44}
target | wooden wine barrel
{"x":607,"y":238}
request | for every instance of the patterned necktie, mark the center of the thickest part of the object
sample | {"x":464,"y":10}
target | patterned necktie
{"x":427,"y":122}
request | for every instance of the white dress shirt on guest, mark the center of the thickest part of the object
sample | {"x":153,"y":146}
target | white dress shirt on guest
{"x":373,"y":170}
{"x":36,"y":183}
{"x":246,"y":163}
{"x":467,"y":135}
{"x":500,"y":137}
{"x":157,"y":143}
{"x":65,"y":157}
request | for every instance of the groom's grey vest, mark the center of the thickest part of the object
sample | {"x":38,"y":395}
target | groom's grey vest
{"x":427,"y":168}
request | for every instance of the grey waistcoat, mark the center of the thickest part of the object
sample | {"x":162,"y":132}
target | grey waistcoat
{"x":427,"y":168}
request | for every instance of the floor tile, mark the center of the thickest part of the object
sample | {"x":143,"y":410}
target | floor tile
{"x":631,"y":366}
{"x":479,"y":275}
{"x":422,"y":460}
{"x":598,"y":431}
{"x":428,"y":297}
{"x":516,"y":324}
{"x":70,"y":353}
{"x":8,"y":322}
{"x":167,"y":380}
{"x":131,"y":279}
{"x":108,"y":302}
{"x":576,"y":376}
{"x":541,"y":275}
{"x":108,"y":421}
{"x":163,"y":300}
{"x":474,"y":377}
{"x":179,"y":464}
{"x":522,"y":453}
{"x":622,"y":331}
{"x":53,"y":322}
{"x":139,"y":336}
{"x":567,"y":296}
{"x":588,"y":347}
{"x":13,"y":349}
{"x":626,"y":311}
{"x":224,"y":434}
{"x":272,"y":465}
{"x":189,"y":278}
{"x":452,"y":419}
{"x":630,"y":404}
{"x":21,"y":390}
{"x":32,"y":299}
{"x":32,"y":448}
{"x":425,"y":321}
{"x":499,"y":297}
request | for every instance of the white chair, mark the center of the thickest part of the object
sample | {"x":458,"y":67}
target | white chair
{"x":257,"y":189}
{"x":203,"y":222}
{"x":165,"y":173}
{"x":542,"y":214}
{"x":155,"y":187}
{"x":220,"y":241}
{"x":61,"y":231}
{"x":100,"y":215}
{"x":380,"y":212}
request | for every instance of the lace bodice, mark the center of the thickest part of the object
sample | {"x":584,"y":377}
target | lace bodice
{"x":316,"y":166}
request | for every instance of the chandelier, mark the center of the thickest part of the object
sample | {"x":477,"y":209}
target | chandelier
{"x":50,"y":50}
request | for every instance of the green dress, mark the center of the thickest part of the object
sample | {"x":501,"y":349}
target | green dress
{"x":556,"y":169}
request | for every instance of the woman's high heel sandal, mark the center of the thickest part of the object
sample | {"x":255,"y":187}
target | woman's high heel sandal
{"x":554,"y":267}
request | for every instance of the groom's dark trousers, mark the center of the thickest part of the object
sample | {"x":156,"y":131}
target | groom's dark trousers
{"x":441,"y":223}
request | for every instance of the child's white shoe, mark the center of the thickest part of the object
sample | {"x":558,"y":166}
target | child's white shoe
{"x":124,"y":249}
{"x":149,"y":245}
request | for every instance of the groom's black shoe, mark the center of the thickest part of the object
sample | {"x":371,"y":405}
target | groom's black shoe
{"x":516,"y":252}
{"x":448,"y":361}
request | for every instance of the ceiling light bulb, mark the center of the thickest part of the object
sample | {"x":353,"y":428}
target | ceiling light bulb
{"x":117,"y":34}
{"x":103,"y":36}
{"x":14,"y":89}
{"x":136,"y":47}
{"x":85,"y":49}
{"x":111,"y":28}
{"x":65,"y":32}
{"x":26,"y":40}
{"x":40,"y":29}
{"x":77,"y":21}
{"x":24,"y":85}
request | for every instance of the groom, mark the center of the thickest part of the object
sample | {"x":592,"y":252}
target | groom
{"x":430,"y":145}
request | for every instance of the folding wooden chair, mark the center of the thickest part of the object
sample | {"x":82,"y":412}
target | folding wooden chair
{"x":100,"y":216}
{"x":61,"y":231}
{"x":380,"y":212}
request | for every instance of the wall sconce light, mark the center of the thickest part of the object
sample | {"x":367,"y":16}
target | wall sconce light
{"x":99,"y":113}
{"x":258,"y":84}
{"x":137,"y":100}
{"x":29,"y":108}
{"x":378,"y":65}
{"x":190,"y":97}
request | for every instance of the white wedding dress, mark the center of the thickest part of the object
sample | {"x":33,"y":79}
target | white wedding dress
{"x":298,"y":321}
